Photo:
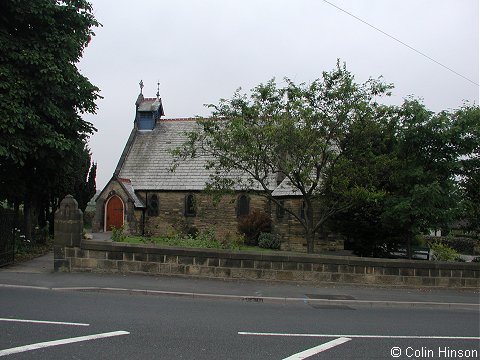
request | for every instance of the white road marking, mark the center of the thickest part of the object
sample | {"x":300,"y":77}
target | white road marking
{"x":362,"y":336}
{"x":43,"y":322}
{"x":24,"y":287}
{"x":317,"y":349}
{"x":46,"y":344}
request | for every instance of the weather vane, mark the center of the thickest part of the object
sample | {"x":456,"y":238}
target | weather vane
{"x":141,"y":86}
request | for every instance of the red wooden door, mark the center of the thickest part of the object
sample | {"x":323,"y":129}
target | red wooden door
{"x":114,"y":213}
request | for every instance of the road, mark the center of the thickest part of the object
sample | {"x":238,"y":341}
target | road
{"x":119,"y":325}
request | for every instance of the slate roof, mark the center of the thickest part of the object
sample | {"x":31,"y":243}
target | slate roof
{"x":127,"y":185}
{"x":146,"y":160}
{"x":150,"y":104}
{"x":286,"y":189}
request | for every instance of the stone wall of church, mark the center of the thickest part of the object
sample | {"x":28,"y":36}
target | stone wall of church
{"x":222,"y":216}
{"x":171,"y":216}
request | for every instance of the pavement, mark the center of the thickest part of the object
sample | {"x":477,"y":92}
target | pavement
{"x":38,"y":273}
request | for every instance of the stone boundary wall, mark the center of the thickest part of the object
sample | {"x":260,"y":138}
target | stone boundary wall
{"x":100,"y":256}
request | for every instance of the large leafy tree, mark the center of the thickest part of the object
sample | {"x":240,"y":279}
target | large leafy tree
{"x":424,"y":165}
{"x":466,"y":131}
{"x":293,"y":133}
{"x":423,"y":190}
{"x":369,"y":158}
{"x":42,"y":94}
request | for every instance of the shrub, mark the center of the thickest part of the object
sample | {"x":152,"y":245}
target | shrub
{"x":463,"y":245}
{"x":442,"y":252}
{"x":233,"y":241}
{"x":207,"y":235}
{"x":269,"y":241}
{"x":253,"y":224}
{"x":117,"y":234}
{"x":179,"y":226}
{"x":192,"y":231}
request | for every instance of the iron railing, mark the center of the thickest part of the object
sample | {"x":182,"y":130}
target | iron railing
{"x":7,"y":237}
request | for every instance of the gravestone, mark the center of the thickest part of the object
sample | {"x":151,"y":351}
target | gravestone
{"x":68,"y":231}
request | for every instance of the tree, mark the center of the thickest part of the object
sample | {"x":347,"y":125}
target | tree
{"x":42,"y":95}
{"x":414,"y":159}
{"x":423,"y":194}
{"x":466,"y":131}
{"x":293,"y":132}
{"x":368,"y":151}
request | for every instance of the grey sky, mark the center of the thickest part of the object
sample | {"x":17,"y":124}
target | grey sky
{"x":201,"y":51}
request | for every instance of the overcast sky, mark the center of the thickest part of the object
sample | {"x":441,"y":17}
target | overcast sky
{"x":201,"y":51}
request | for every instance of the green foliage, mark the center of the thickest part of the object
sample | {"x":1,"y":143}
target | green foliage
{"x":466,"y":132}
{"x":22,"y":244}
{"x":411,"y":159}
{"x":205,"y":239}
{"x":233,"y":241}
{"x":293,"y":132}
{"x":423,"y":190}
{"x":252,"y":225}
{"x":460,"y":244}
{"x":118,"y":234}
{"x":42,"y":99}
{"x":269,"y":241}
{"x":442,"y":252}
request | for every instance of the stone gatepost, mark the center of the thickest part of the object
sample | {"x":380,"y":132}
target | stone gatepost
{"x":68,"y":232}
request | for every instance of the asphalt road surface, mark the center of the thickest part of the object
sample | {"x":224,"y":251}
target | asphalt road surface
{"x":48,"y":324}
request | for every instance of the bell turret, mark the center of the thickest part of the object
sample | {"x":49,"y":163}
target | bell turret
{"x":149,"y":110}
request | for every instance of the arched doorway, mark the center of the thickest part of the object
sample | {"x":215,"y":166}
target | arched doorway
{"x":114,"y":213}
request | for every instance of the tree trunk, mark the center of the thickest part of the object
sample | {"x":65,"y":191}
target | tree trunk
{"x":310,"y":237}
{"x":30,"y":216}
{"x":27,"y":218}
{"x":409,"y":247}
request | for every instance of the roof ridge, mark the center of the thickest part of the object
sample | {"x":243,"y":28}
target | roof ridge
{"x":179,"y":119}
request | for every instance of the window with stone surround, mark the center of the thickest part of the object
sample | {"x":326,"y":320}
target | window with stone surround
{"x":243,"y":205}
{"x":280,"y":210}
{"x":190,"y":208}
{"x":152,"y":205}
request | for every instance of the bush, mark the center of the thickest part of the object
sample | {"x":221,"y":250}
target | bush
{"x":253,"y":224}
{"x":117,"y":234}
{"x":205,"y":236}
{"x":269,"y":241}
{"x":233,"y":241}
{"x":192,"y":231}
{"x":442,"y":252}
{"x":463,"y":245}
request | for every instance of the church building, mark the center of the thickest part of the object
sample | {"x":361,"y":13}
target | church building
{"x":147,"y":198}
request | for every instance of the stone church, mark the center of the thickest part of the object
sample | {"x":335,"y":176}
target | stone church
{"x":147,"y":198}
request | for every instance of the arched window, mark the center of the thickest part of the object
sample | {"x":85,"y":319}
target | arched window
{"x":153,"y":205}
{"x":190,"y":208}
{"x":302,"y":210}
{"x":280,"y":210}
{"x":243,"y":205}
